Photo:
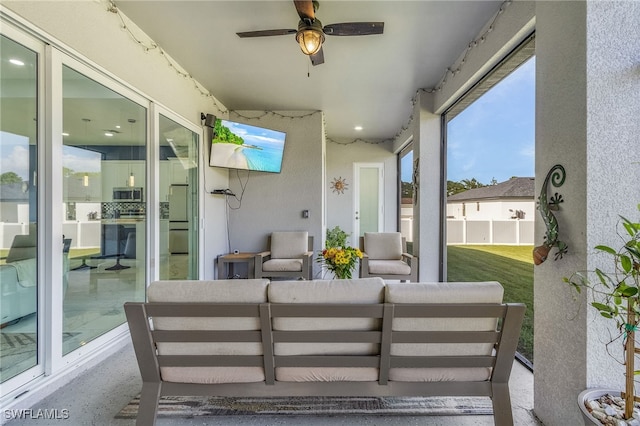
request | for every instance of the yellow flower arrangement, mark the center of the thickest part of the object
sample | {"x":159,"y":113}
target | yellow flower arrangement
{"x":340,"y":260}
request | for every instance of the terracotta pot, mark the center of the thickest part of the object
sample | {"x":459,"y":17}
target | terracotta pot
{"x":540,"y":254}
{"x":589,"y":395}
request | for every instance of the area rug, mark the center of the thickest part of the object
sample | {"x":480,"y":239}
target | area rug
{"x":190,"y":407}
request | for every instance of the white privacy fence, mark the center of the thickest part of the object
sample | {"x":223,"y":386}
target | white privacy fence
{"x":508,"y":232}
{"x":83,"y":234}
{"x":515,"y":232}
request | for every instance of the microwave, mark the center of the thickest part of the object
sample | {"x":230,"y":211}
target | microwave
{"x":127,"y":194}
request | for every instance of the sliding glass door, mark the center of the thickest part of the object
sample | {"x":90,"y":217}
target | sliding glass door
{"x":178,"y":204}
{"x":19,"y":333}
{"x":104,"y":206}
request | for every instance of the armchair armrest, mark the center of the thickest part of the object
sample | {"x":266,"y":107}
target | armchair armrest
{"x":306,"y":264}
{"x":258,"y":261}
{"x":408,"y":257}
{"x":364,"y":266}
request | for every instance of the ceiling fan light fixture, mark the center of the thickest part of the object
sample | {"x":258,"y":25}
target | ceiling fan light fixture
{"x":310,"y":37}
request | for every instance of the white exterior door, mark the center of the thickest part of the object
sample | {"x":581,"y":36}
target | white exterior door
{"x":368,"y":213}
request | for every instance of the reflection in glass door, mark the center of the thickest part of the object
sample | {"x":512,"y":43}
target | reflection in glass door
{"x":178,"y":201}
{"x":104,"y":205}
{"x":18,"y":209}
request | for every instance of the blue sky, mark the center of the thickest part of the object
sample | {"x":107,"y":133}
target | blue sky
{"x":494,"y":136}
{"x":258,"y":136}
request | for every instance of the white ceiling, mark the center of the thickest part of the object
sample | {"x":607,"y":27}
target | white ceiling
{"x":366,"y":80}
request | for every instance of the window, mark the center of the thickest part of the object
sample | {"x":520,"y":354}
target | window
{"x":490,"y":161}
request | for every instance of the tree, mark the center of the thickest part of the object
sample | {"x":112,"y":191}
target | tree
{"x":454,"y":187}
{"x":10,"y":177}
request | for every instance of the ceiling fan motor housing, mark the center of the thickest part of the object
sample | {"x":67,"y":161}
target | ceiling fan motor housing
{"x":310,"y":36}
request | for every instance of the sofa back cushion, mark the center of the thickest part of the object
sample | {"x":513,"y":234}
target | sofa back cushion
{"x":289,"y":244}
{"x":219,"y":291}
{"x":451,"y":292}
{"x":354,"y":291}
{"x":383,"y":245}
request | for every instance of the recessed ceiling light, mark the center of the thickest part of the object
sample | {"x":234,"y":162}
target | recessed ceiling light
{"x":117,"y":126}
{"x":108,"y":134}
{"x":16,"y":62}
{"x":65,"y":134}
{"x":358,"y":128}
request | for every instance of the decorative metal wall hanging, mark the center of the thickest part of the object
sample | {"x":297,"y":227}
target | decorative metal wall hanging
{"x":339,"y":185}
{"x":415,"y":180}
{"x":556,"y":176}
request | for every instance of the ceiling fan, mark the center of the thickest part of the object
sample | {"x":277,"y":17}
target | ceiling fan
{"x":310,"y":33}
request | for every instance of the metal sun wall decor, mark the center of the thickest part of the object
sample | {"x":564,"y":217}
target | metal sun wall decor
{"x":556,"y":175}
{"x":339,"y":185}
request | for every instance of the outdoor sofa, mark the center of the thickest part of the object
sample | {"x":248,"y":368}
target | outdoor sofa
{"x":358,"y":337}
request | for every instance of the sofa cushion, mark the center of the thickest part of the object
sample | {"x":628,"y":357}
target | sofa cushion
{"x":354,"y":291}
{"x":219,"y":291}
{"x":453,"y":292}
{"x":289,"y":245}
{"x":383,"y":245}
{"x":279,"y":265}
{"x":389,"y":267}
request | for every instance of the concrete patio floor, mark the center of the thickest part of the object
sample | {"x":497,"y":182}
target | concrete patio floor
{"x":95,"y":397}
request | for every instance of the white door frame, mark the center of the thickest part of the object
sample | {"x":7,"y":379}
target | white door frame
{"x":356,"y":199}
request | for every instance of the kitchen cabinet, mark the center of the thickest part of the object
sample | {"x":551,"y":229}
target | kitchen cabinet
{"x":115,"y":174}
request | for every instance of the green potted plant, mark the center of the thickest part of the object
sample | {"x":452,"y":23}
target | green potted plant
{"x":616,"y":296}
{"x":337,"y":256}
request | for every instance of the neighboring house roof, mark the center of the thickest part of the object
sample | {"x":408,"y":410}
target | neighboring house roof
{"x":517,"y":187}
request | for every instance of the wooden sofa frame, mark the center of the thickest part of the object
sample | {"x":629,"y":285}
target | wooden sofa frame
{"x":497,"y":387}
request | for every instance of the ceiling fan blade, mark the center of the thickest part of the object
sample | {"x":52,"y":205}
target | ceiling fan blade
{"x":305,"y":9}
{"x":266,"y":33}
{"x":318,"y":58}
{"x":354,"y":28}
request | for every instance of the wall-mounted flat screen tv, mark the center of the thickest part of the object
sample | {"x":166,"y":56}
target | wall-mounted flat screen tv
{"x":242,"y":146}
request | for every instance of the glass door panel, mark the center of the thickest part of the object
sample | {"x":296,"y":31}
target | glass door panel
{"x":104,"y":205}
{"x":407,"y":197}
{"x":178,"y":201}
{"x":18,"y":209}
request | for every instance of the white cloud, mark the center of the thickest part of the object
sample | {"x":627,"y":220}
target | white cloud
{"x":17,"y":161}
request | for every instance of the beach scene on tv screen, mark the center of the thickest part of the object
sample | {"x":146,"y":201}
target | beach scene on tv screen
{"x":241,"y":146}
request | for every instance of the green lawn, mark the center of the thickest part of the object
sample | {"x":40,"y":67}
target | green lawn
{"x":511,"y":266}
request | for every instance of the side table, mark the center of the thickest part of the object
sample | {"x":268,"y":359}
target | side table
{"x":230,"y":259}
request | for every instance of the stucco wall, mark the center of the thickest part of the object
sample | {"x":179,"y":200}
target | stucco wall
{"x":275,"y":201}
{"x":340,"y":159}
{"x":587,"y":82}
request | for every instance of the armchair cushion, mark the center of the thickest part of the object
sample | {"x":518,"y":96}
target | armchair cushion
{"x":383,"y":245}
{"x":289,"y":245}
{"x":279,"y":265}
{"x":389,"y":267}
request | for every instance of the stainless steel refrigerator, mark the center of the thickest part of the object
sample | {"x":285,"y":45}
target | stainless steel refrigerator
{"x":178,"y":219}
